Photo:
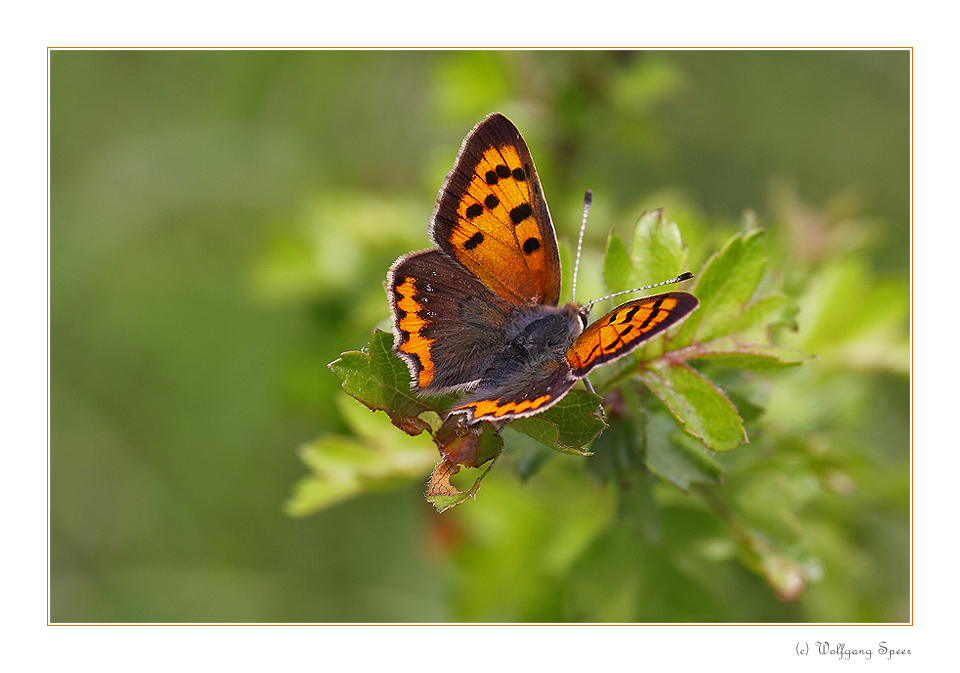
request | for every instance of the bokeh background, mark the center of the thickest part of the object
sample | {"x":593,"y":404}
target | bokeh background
{"x":220,"y":227}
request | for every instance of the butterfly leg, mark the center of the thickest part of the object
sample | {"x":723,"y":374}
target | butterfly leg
{"x":589,"y":386}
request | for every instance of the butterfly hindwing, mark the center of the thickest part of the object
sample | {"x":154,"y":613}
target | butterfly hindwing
{"x":492,"y":218}
{"x":626,"y":327}
{"x":525,"y":394}
{"x":447,"y":326}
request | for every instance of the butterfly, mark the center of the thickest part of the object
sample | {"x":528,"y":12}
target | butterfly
{"x":480,"y":312}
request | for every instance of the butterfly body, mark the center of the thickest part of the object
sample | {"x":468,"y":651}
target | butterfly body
{"x":480,"y":312}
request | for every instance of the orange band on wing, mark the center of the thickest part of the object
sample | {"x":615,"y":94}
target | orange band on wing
{"x":496,"y":409}
{"x":410,"y":326}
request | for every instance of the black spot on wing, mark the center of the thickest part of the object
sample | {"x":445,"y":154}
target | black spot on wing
{"x":473,"y":241}
{"x":520,"y":213}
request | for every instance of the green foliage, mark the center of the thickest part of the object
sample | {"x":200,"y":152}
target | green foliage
{"x":656,"y":254}
{"x":672,"y":427}
{"x":349,"y":465}
{"x":700,"y":407}
{"x":731,"y":328}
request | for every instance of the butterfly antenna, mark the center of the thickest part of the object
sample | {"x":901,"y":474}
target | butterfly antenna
{"x":679,"y":279}
{"x":587,"y":201}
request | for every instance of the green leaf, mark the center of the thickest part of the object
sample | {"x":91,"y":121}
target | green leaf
{"x":618,"y":452}
{"x":530,"y":455}
{"x":637,"y":505}
{"x":567,"y":425}
{"x":700,"y":408}
{"x":749,"y":411}
{"x":656,"y":254}
{"x":757,"y":358}
{"x":657,"y":250}
{"x":724,"y":287}
{"x":381,"y":380}
{"x":617,"y":267}
{"x":579,"y":417}
{"x":853,"y":321}
{"x":785,"y":576}
{"x":674,"y":457}
{"x":620,"y":458}
{"x":344,"y":467}
{"x":775,"y":308}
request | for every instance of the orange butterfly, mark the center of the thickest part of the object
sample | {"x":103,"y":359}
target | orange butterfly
{"x":480,"y":313}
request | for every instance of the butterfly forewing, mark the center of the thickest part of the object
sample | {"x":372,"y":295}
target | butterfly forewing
{"x":626,"y":327}
{"x":492,"y":218}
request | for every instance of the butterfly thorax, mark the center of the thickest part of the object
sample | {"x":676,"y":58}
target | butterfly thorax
{"x":535,"y":337}
{"x":544,"y":328}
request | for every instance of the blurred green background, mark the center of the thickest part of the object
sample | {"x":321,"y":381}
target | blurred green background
{"x":221,"y":225}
